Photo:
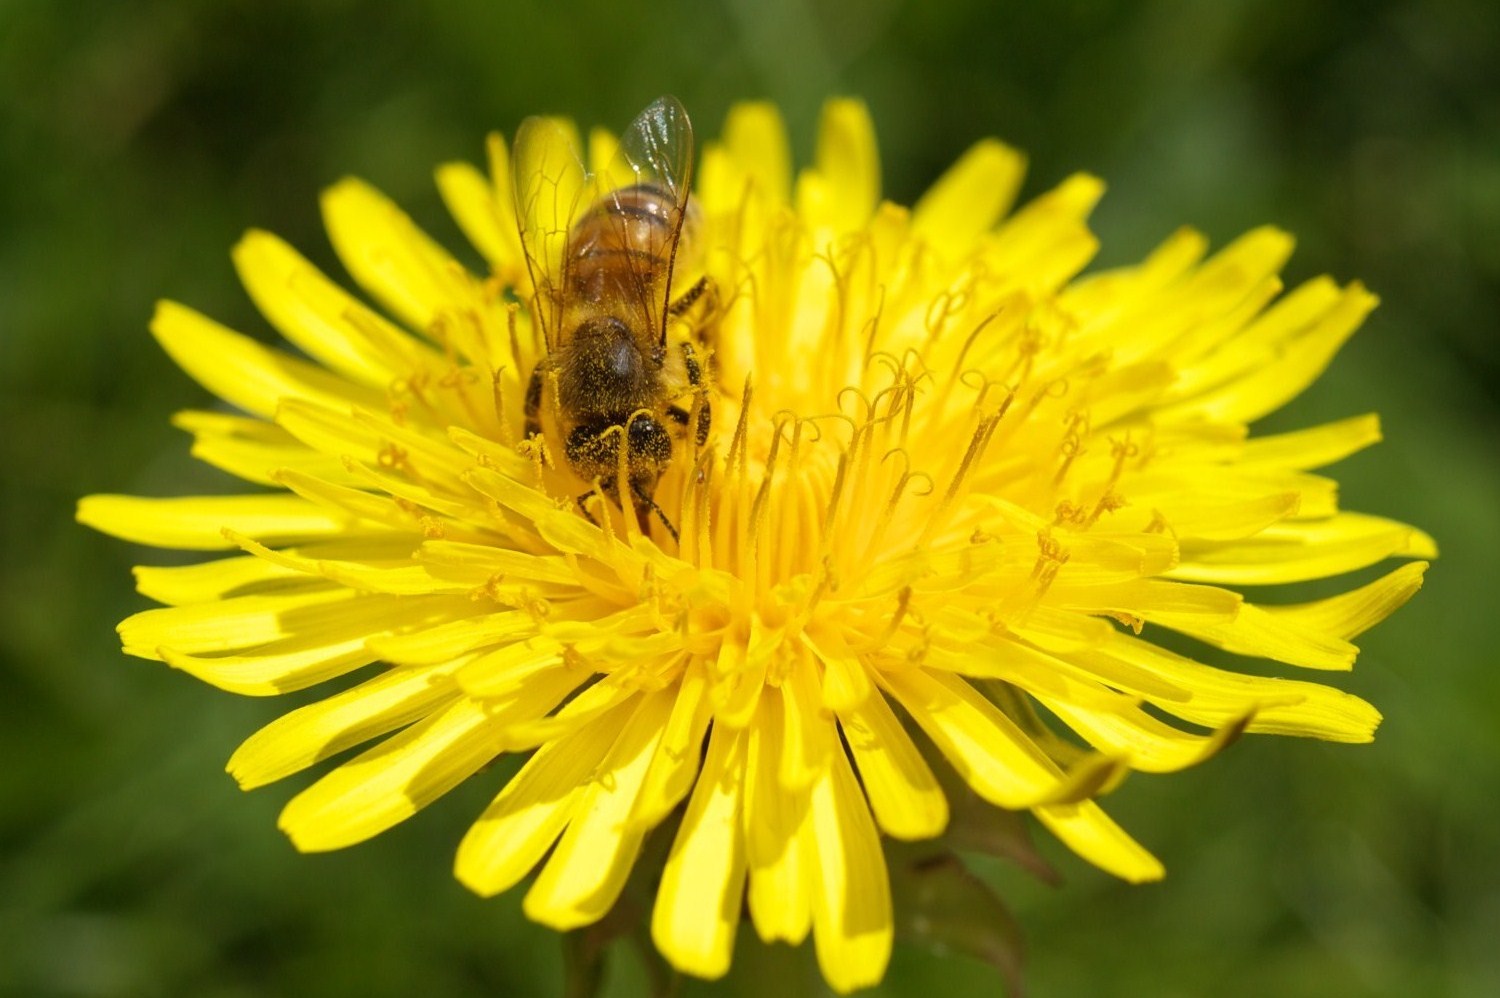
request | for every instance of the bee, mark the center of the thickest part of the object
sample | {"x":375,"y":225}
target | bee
{"x":603,"y":296}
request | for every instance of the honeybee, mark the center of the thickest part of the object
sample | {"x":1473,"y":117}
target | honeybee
{"x":603,"y":278}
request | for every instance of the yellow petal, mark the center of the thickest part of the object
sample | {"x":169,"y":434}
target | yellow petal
{"x":398,"y":578}
{"x":376,"y":440}
{"x":198,"y":522}
{"x":780,"y":898}
{"x":807,"y":725}
{"x":390,"y":257}
{"x":852,"y":927}
{"x":354,"y":506}
{"x":506,"y":669}
{"x":1029,"y":668}
{"x":588,"y":868}
{"x":247,"y":621}
{"x":518,"y":828}
{"x":698,"y":903}
{"x":969,"y":198}
{"x":740,"y":671}
{"x":392,"y":781}
{"x":841,"y":191}
{"x":1047,"y":241}
{"x":755,"y":137}
{"x":608,"y":171}
{"x":1255,"y":632}
{"x":503,"y":198}
{"x":476,"y":562}
{"x":243,"y":372}
{"x":1146,"y":743}
{"x":253,"y":449}
{"x":675,"y":764}
{"x":846,"y":681}
{"x":1088,"y":831}
{"x":1134,"y":297}
{"x":321,"y":730}
{"x":563,"y":529}
{"x":471,"y":201}
{"x":1196,"y":516}
{"x":905,"y":796}
{"x":453,"y":638}
{"x":1148,"y":598}
{"x":1279,"y":706}
{"x":327,"y":641}
{"x":1295,"y":365}
{"x":1299,"y":551}
{"x":989,"y":751}
{"x":320,"y":317}
{"x":211,"y":581}
{"x":596,"y":701}
{"x":280,"y":667}
{"x":1314,"y":447}
{"x":1350,"y":614}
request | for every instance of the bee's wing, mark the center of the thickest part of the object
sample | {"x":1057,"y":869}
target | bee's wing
{"x":656,"y":149}
{"x":550,"y":184}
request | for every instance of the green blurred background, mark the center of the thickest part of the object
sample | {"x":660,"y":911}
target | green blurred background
{"x":137,"y":140}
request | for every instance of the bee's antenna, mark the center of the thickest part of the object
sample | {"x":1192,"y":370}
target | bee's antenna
{"x":643,"y":497}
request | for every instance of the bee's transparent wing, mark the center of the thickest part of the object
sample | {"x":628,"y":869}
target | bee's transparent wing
{"x":655,"y":150}
{"x":550,"y":184}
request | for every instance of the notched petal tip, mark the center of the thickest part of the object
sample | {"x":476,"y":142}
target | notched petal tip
{"x":970,"y":197}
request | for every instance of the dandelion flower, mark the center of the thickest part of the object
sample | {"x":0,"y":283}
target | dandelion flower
{"x":954,"y":493}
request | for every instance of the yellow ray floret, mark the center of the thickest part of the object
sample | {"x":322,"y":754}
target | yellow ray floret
{"x":953,"y":493}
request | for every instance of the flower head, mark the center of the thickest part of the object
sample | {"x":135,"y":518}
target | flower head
{"x":953,"y":493}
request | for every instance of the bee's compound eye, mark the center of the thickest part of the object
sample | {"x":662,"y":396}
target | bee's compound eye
{"x":648,"y":438}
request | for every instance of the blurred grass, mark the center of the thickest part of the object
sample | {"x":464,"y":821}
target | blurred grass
{"x":137,"y":140}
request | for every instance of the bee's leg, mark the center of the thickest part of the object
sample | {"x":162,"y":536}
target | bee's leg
{"x":532,"y":408}
{"x":680,"y":416}
{"x":583,"y":506}
{"x":685,"y":300}
{"x":695,"y":378}
{"x":704,"y":290}
{"x":605,"y":489}
{"x":690,"y":363}
{"x":644,"y":502}
{"x":710,"y":304}
{"x":590,"y":448}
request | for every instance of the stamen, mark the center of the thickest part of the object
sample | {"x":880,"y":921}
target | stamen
{"x":459,"y":379}
{"x":963,"y":351}
{"x":977,"y":444}
{"x":872,"y":324}
{"x":392,"y":346}
{"x":416,"y":386}
{"x":836,"y":320}
{"x":1029,"y":345}
{"x":855,"y":391}
{"x":872,"y":544}
{"x":697,"y":547}
{"x":1109,"y":500}
{"x":944,"y":306}
{"x":839,"y":476}
{"x":758,"y":506}
{"x":623,"y":493}
{"x":738,"y":442}
{"x":512,"y":309}
{"x":394,"y":457}
{"x":903,"y":603}
{"x":535,"y":448}
{"x":497,"y":390}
